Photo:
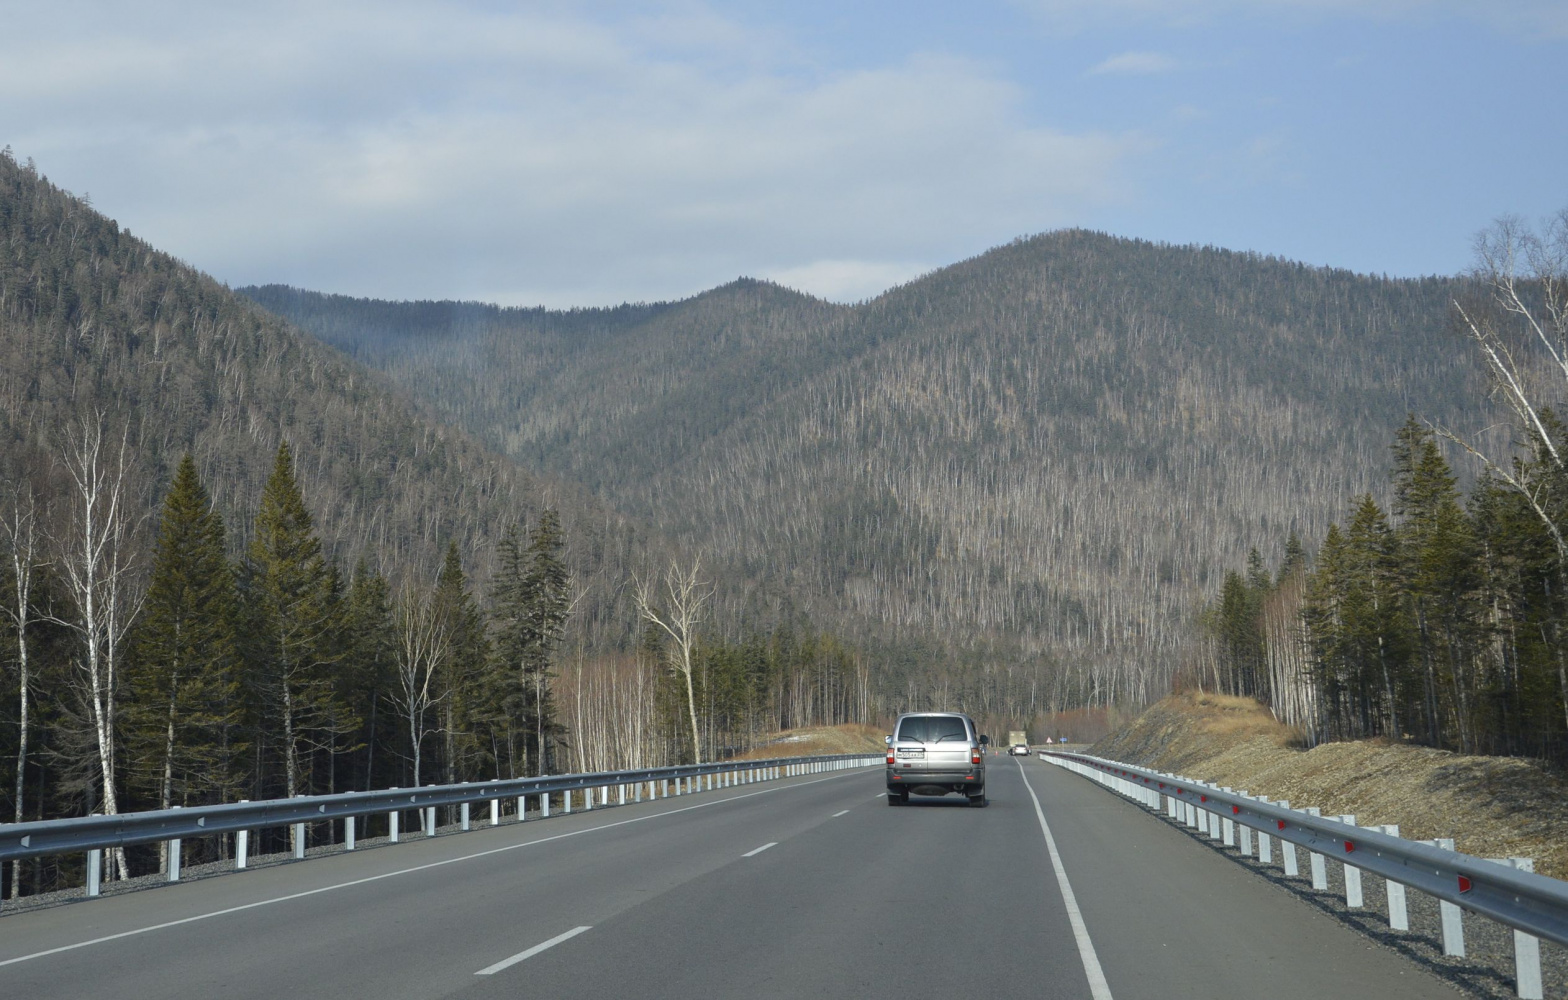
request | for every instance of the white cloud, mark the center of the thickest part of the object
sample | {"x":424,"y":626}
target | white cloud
{"x":1137,"y":64}
{"x":403,"y":151}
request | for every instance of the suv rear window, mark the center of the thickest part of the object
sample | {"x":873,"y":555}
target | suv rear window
{"x":933,"y":729}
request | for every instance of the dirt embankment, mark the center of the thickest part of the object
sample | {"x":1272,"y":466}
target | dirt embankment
{"x":848,"y":738}
{"x":1491,"y":806}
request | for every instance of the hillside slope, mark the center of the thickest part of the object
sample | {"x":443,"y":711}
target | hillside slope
{"x":1057,"y":445}
{"x":94,"y":321}
{"x":1492,"y":806}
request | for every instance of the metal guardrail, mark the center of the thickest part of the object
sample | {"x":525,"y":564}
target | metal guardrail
{"x":96,"y":833}
{"x":1532,"y":904}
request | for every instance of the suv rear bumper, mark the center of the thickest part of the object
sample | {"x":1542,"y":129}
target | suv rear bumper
{"x":970,"y":780}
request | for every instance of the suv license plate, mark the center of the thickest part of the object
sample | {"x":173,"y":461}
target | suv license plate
{"x":911,"y":753}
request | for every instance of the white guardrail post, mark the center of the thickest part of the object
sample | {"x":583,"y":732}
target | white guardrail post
{"x":171,"y":856}
{"x":241,"y":844}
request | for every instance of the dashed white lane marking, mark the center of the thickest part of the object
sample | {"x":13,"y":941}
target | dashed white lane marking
{"x":839,"y":813}
{"x":1098,"y":988}
{"x":407,"y":871}
{"x":507,"y":963}
{"x":760,"y":849}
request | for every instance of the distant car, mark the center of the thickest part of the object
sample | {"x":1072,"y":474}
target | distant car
{"x":1019,"y":750}
{"x":934,"y":753}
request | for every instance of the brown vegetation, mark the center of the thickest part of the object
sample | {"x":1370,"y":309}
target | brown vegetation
{"x":1491,"y":806}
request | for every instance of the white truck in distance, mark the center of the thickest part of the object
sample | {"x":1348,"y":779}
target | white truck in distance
{"x":1018,"y":743}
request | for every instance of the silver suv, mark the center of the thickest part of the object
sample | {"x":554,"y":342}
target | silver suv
{"x":934,"y":753}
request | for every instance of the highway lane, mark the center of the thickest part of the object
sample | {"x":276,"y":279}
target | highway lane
{"x":809,"y":887}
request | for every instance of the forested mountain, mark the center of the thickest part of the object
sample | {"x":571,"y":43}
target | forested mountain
{"x":95,"y":322}
{"x":236,"y":563}
{"x":1052,"y":449}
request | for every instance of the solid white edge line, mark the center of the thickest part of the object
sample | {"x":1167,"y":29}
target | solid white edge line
{"x":1098,"y":988}
{"x":760,"y":849}
{"x":408,"y":871}
{"x":841,"y":812}
{"x":507,"y":963}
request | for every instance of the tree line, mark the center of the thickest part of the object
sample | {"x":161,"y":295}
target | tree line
{"x":1440,"y":618}
{"x":155,"y":660}
{"x":1439,"y":621}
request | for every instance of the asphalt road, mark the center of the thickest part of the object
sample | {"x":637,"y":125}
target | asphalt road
{"x":808,"y":887}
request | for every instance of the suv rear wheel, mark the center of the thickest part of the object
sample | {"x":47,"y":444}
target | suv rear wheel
{"x":978,"y":800}
{"x":898,"y":798}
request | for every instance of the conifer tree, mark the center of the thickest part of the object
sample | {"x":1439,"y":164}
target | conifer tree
{"x":462,"y":668}
{"x":293,"y":611}
{"x":185,"y":679}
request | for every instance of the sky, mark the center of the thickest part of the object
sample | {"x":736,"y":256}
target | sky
{"x":584,"y":154}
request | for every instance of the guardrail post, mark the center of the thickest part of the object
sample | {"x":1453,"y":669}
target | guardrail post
{"x":587,"y":799}
{"x":1398,"y":913}
{"x":495,"y":812}
{"x":522,"y":808}
{"x":428,"y":815}
{"x":463,"y":817}
{"x":1319,"y":866}
{"x":1265,"y":847}
{"x":604,"y":795}
{"x":171,"y":856}
{"x":392,"y":826}
{"x":299,"y":841}
{"x":566,"y":802}
{"x":1527,"y":947}
{"x":1453,"y":916}
{"x":1228,"y":825}
{"x":664,"y":788}
{"x":1287,"y":850}
{"x":241,"y":846}
{"x":94,"y":871}
{"x":1245,"y":833}
{"x":1353,"y":899}
{"x":348,"y":833}
{"x":544,"y":806}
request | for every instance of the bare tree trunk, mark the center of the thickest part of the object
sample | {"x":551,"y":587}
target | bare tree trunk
{"x":687,"y":598}
{"x":97,"y":563}
{"x":21,"y":528}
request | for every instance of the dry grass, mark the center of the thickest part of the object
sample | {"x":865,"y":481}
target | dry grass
{"x":848,"y":738}
{"x":1491,"y":806}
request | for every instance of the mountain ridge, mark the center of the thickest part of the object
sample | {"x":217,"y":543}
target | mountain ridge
{"x":1057,"y":444}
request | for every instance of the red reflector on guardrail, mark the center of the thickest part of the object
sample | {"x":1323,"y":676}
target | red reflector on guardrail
{"x":1282,"y":824}
{"x":1349,"y":847}
{"x":1203,"y":798}
{"x":1235,"y":810}
{"x":1162,"y":784}
{"x":1464,"y":884}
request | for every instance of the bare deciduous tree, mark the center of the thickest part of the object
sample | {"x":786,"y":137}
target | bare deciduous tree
{"x":423,"y":644}
{"x":1522,"y":330}
{"x":97,"y":560}
{"x":686,"y":597}
{"x":21,"y":529}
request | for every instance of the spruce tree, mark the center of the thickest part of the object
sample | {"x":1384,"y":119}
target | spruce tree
{"x":185,"y":674}
{"x":293,"y":612}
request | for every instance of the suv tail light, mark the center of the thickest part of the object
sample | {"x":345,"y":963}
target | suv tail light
{"x":890,"y":755}
{"x":974,"y":756}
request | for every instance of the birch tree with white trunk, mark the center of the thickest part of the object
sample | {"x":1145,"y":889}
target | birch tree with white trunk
{"x":21,"y":530}
{"x":98,"y":564}
{"x":423,"y":644}
{"x":1522,"y":334}
{"x":685,"y":601}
